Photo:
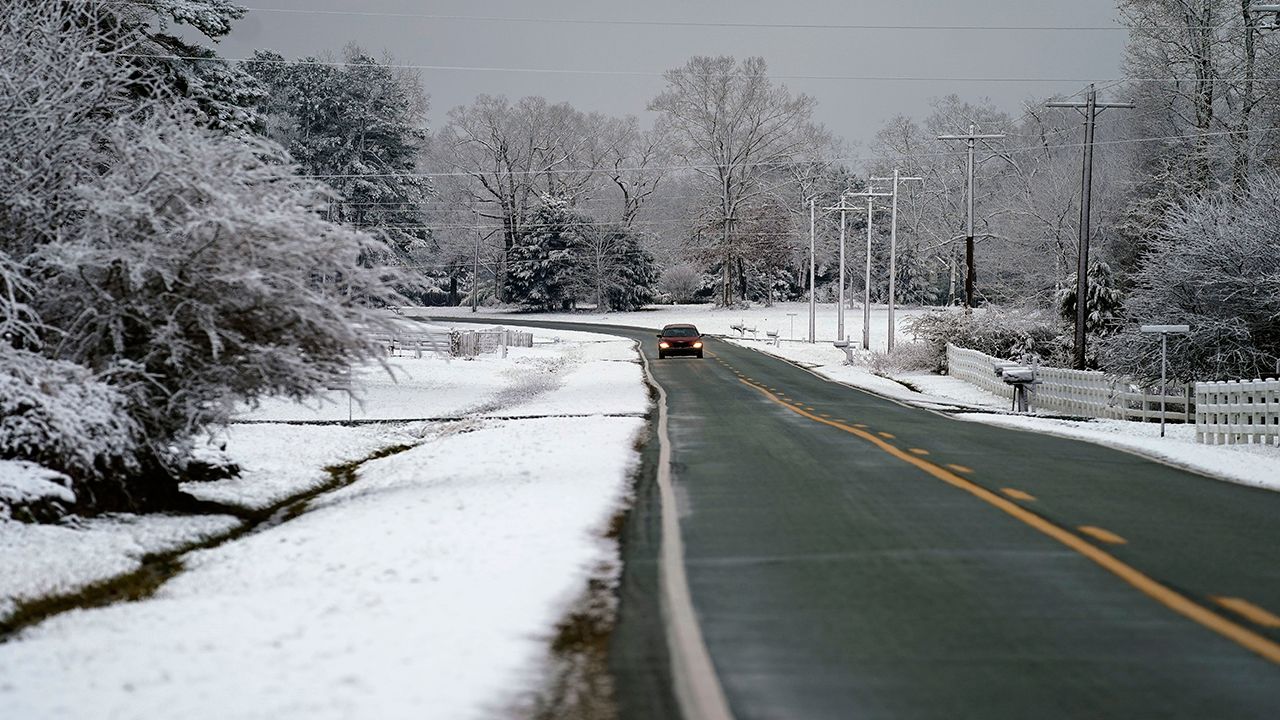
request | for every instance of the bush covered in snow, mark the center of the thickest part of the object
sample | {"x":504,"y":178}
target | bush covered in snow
{"x":905,"y":357}
{"x":154,"y":273}
{"x":1216,"y":267}
{"x":58,"y":415}
{"x":31,"y":493}
{"x":1002,"y":333}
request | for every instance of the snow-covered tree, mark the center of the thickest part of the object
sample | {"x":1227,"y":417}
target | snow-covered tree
{"x":731,"y":123}
{"x":543,"y":264}
{"x":163,"y":60}
{"x":154,"y":272}
{"x":201,"y":275}
{"x":1216,"y":267}
{"x":361,"y":125}
{"x":1105,"y":305}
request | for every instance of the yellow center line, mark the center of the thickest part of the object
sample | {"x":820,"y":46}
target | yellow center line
{"x":918,"y":451}
{"x":1018,"y":494}
{"x":825,"y":415}
{"x":1102,"y":535}
{"x":1249,"y":611}
{"x":891,"y":436}
{"x":1162,"y":594}
{"x":960,"y":468}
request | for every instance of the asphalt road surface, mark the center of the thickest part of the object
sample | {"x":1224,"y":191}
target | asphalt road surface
{"x":851,"y":557}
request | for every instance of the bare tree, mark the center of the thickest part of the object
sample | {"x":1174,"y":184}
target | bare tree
{"x":505,"y":158}
{"x":733,"y":126}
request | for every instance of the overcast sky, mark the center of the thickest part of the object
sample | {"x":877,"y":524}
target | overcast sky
{"x":854,"y":109}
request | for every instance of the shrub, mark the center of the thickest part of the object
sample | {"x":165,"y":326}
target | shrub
{"x":681,"y":283}
{"x":905,"y":357}
{"x":1215,"y":266}
{"x":1006,"y":334}
{"x":58,"y":415}
{"x":32,"y":493}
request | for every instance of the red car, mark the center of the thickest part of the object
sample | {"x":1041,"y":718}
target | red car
{"x":680,"y":339}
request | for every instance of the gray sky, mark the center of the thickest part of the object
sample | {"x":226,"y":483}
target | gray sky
{"x":854,"y":109}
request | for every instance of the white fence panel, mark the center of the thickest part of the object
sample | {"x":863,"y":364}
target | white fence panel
{"x":978,"y":369}
{"x":1082,"y":393}
{"x":474,"y":342}
{"x":1238,"y":412}
{"x":403,"y":344}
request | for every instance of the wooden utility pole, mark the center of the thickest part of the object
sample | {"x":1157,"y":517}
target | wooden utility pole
{"x":971,"y":273}
{"x":1091,"y":108}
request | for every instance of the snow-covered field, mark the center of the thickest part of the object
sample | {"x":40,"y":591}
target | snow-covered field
{"x":429,"y":587}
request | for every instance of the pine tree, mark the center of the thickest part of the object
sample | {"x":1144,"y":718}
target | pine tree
{"x":361,"y":127}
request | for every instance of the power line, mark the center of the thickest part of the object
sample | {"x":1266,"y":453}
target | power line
{"x":686,"y":23}
{"x":628,"y":73}
{"x":630,"y":22}
{"x":849,"y":160}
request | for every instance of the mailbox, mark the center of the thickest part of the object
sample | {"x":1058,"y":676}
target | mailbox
{"x":1018,"y":375}
{"x":999,"y":366}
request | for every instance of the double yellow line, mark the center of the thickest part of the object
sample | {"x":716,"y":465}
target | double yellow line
{"x":1162,"y":594}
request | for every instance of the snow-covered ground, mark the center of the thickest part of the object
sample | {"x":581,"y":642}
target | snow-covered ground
{"x":429,"y":587}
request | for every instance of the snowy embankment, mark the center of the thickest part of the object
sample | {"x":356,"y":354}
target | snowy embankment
{"x":1245,"y":464}
{"x":428,"y":587}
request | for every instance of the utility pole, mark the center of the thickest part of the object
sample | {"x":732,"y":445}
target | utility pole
{"x":870,"y":195}
{"x":893,"y":245}
{"x":1091,"y":109}
{"x":475,"y":278}
{"x":813,"y":232}
{"x":843,"y":208}
{"x":971,"y":274}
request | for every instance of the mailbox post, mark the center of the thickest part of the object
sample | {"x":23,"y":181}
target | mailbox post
{"x":1165,"y":331}
{"x":1021,"y":378}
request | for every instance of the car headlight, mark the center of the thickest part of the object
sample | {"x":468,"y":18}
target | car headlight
{"x":697,"y":345}
{"x":664,"y":345}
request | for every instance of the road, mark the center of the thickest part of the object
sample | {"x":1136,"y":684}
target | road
{"x":851,"y":557}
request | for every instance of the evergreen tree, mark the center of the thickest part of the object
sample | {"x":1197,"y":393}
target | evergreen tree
{"x":223,"y":94}
{"x":360,"y":127}
{"x":543,"y":263}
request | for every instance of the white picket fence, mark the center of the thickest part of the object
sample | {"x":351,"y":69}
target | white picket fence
{"x":457,"y":343}
{"x":1238,"y":412}
{"x":474,"y":342}
{"x":1080,"y":393}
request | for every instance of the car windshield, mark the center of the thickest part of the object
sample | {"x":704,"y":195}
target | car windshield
{"x":680,"y":332}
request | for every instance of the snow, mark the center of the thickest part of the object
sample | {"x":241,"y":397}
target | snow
{"x":42,"y":560}
{"x":25,"y":482}
{"x":1255,"y":465}
{"x":430,"y":586}
{"x":269,"y":476}
{"x":435,"y":387}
